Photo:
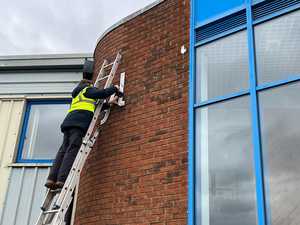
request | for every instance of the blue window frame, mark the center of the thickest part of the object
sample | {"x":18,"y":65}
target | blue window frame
{"x":245,"y":18}
{"x":40,"y":135}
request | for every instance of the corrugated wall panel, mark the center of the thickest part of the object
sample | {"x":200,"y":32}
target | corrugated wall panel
{"x":10,"y":120}
{"x":38,"y":83}
{"x":39,"y":195}
{"x":24,"y":197}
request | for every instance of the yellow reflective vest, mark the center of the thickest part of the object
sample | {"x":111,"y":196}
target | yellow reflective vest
{"x":80,"y":102}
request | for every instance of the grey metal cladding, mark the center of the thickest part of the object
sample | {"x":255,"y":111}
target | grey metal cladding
{"x":38,"y":83}
{"x":43,"y":60}
{"x":24,"y":196}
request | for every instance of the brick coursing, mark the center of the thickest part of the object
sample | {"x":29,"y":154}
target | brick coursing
{"x":137,"y":174}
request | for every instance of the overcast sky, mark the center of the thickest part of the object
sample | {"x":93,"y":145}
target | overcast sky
{"x":59,"y":26}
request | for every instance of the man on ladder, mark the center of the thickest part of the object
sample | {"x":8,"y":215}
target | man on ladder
{"x":74,"y":127}
{"x":83,"y":117}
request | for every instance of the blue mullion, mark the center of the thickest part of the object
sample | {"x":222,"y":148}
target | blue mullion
{"x":255,"y":120}
{"x":191,"y":148}
{"x":222,"y":98}
{"x":221,"y":35}
{"x":268,"y":85}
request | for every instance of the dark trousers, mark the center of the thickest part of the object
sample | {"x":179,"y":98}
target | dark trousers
{"x":64,"y":160}
{"x":66,"y":155}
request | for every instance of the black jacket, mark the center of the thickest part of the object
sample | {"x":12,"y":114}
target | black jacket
{"x":82,"y":118}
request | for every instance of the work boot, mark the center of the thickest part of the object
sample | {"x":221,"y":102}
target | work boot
{"x":50,"y":184}
{"x":59,"y":184}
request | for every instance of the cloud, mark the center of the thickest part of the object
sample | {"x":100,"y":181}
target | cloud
{"x":43,"y":27}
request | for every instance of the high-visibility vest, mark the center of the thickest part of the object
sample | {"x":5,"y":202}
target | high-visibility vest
{"x":80,"y":102}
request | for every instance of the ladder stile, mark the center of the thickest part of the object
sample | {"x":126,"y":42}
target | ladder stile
{"x":53,"y":212}
{"x":101,"y":72}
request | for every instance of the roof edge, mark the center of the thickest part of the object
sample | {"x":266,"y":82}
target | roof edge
{"x":127,"y":18}
{"x":46,"y":56}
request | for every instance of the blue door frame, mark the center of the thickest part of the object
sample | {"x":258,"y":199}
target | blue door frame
{"x":263,"y":210}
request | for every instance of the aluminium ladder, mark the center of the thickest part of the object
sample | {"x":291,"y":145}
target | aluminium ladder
{"x":57,"y":202}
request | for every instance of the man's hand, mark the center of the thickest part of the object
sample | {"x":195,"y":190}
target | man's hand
{"x":119,"y":93}
{"x":113,"y":100}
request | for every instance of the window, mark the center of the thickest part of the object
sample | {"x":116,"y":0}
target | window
{"x":244,"y":157}
{"x":41,"y":136}
{"x":278,"y":48}
{"x":226,"y":188}
{"x":222,"y":67}
{"x":280,"y":110}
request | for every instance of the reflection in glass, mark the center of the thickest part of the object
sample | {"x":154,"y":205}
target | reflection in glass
{"x":209,"y":9}
{"x":222,"y":67}
{"x":280,"y":130}
{"x":43,"y":136}
{"x":225,"y":185}
{"x":277,"y":45}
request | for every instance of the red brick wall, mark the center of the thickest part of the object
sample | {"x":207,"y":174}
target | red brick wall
{"x":137,"y":174}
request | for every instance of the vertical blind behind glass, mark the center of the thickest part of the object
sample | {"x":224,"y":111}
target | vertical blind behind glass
{"x":43,"y":136}
{"x":222,"y":67}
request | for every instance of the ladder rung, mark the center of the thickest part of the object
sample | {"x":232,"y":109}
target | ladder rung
{"x":108,"y":65}
{"x":88,"y":143}
{"x":103,"y":78}
{"x":56,"y":190}
{"x":51,"y":211}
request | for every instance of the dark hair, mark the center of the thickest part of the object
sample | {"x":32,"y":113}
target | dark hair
{"x":85,"y":81}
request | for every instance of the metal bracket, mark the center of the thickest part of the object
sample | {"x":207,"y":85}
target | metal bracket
{"x":121,"y":102}
{"x":105,"y":118}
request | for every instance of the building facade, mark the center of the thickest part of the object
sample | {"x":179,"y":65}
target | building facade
{"x":34,"y":98}
{"x":209,"y":133}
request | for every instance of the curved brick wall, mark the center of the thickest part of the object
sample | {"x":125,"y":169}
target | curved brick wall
{"x":137,"y":174}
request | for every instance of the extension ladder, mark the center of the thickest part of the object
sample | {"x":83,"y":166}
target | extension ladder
{"x":57,"y":202}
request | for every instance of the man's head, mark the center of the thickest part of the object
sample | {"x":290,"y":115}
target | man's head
{"x":86,"y":82}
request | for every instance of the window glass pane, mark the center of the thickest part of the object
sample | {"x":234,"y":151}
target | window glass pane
{"x":280,"y":130}
{"x":278,"y":48}
{"x":43,"y":136}
{"x":222,"y":67}
{"x":225,"y":185}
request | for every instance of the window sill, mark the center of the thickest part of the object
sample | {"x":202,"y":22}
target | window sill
{"x":30,"y":165}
